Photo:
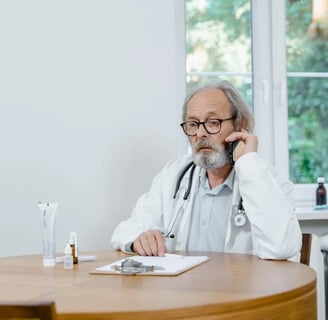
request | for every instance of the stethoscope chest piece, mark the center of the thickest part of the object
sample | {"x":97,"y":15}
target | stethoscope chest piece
{"x":239,"y":217}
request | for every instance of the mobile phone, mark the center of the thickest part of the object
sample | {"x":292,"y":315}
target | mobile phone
{"x":231,"y":147}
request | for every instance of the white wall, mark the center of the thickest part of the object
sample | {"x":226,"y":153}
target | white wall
{"x":90,"y":101}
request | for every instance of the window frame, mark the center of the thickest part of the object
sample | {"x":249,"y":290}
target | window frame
{"x":270,"y":90}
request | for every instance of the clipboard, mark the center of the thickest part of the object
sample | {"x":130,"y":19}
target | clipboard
{"x":169,"y":265}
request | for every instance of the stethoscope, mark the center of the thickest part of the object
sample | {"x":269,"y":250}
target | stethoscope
{"x":239,"y":217}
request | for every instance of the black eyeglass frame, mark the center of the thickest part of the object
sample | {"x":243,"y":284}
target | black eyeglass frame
{"x":204,"y":125}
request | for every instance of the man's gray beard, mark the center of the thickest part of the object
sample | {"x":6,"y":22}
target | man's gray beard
{"x":209,"y":159}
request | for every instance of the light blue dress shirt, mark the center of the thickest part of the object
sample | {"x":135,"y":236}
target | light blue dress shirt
{"x":210,"y":215}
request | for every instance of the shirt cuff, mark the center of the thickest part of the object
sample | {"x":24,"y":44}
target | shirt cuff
{"x":128,"y":247}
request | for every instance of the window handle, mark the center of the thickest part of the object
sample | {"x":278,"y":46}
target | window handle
{"x":282,"y":92}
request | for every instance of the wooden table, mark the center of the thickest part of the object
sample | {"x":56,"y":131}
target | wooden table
{"x":228,"y":286}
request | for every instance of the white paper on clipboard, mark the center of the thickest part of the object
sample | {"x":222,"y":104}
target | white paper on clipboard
{"x":169,"y":265}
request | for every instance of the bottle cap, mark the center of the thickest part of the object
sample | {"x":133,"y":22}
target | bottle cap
{"x":68,"y":249}
{"x":321,"y":179}
{"x":72,"y":237}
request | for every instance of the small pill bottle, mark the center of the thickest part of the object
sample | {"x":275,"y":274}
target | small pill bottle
{"x":68,"y":258}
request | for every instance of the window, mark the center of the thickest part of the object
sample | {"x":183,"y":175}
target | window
{"x":219,"y":44}
{"x":307,"y":66}
{"x":280,"y":63}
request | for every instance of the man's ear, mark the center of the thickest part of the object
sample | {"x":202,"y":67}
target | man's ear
{"x":237,"y":125}
{"x":240,"y":124}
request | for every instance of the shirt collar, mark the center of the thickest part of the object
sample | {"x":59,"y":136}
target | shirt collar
{"x":204,"y":185}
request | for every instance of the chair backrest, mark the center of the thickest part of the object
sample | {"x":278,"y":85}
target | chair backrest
{"x":306,"y":248}
{"x":45,"y":310}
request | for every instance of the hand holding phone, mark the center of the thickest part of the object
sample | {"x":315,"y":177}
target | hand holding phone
{"x":231,"y":148}
{"x":240,"y":143}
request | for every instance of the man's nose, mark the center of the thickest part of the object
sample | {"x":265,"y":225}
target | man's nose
{"x":202,"y":131}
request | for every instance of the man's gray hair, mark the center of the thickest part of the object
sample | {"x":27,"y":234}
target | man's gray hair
{"x":239,"y":109}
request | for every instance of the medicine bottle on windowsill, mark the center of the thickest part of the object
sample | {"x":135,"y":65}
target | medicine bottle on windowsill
{"x":321,"y":194}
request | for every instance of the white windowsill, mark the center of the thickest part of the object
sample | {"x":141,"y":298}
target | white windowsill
{"x":309,"y":213}
{"x":304,"y":201}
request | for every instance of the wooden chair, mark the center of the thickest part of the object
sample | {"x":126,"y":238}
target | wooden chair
{"x":312,"y":256}
{"x":306,"y":248}
{"x":45,"y":310}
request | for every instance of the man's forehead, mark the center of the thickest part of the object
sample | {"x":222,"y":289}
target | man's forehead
{"x":209,"y":98}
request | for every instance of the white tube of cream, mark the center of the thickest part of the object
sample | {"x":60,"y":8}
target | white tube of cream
{"x":48,"y":223}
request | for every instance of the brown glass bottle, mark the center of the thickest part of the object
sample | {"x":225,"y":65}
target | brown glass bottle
{"x":75,"y":257}
{"x":321,"y":193}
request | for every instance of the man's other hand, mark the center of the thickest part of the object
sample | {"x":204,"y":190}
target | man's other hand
{"x":150,"y":243}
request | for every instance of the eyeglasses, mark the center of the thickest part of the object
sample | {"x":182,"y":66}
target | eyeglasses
{"x":211,"y":126}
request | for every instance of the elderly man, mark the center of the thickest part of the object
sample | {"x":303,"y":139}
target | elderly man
{"x":203,"y":201}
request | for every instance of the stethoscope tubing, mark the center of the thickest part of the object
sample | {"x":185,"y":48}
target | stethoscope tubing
{"x":182,"y":174}
{"x":192,"y":166}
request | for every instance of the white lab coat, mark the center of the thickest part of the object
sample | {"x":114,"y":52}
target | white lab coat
{"x":271,"y":232}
